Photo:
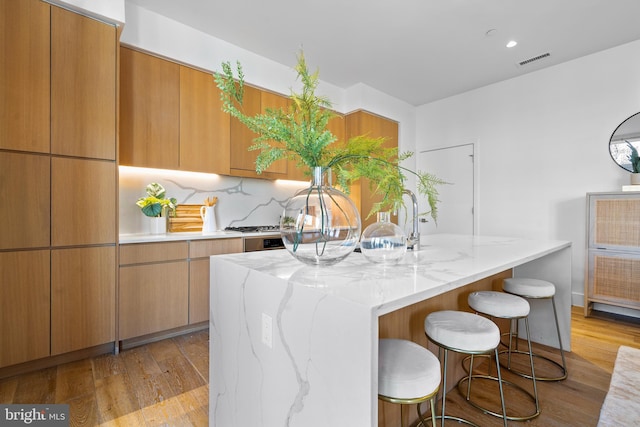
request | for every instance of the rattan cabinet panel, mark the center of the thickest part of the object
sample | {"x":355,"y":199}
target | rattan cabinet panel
{"x":613,"y":251}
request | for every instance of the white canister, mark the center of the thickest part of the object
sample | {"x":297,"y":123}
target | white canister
{"x":208,"y":215}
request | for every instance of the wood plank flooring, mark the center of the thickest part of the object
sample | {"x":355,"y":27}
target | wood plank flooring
{"x":166,"y":383}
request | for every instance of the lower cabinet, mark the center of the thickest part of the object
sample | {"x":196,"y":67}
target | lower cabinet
{"x":24,"y":295}
{"x":154,"y":288}
{"x":199,"y":253}
{"x":166,"y":285}
{"x":83,"y":298}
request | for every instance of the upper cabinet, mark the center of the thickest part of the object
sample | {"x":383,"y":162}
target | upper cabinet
{"x":301,"y":172}
{"x":170,"y":116}
{"x":149,"y":111}
{"x":83,"y":86}
{"x":365,"y":123}
{"x":243,"y":161}
{"x":204,"y":127}
{"x":24,"y":92}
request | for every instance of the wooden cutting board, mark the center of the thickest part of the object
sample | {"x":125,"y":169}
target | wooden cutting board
{"x":187,"y":218}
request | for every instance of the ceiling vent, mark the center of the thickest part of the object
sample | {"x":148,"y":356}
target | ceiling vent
{"x":534,"y":59}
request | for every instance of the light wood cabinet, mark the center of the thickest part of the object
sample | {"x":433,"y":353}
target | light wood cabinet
{"x":81,"y":209}
{"x":25,"y":181}
{"x":153,"y":276}
{"x":204,"y":127}
{"x":82,"y":298}
{"x":170,"y":280}
{"x":59,"y":74}
{"x":83,"y":86}
{"x":243,"y":161}
{"x":199,"y":283}
{"x":337,"y":127}
{"x":24,"y":295}
{"x":24,"y":75}
{"x":366,"y":123}
{"x":613,"y":250}
{"x":153,"y":298}
{"x":149,"y":111}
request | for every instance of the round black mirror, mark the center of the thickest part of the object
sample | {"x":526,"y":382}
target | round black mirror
{"x":624,"y":144}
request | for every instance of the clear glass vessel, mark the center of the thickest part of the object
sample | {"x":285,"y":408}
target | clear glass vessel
{"x":383,"y":242}
{"x":320,"y":225}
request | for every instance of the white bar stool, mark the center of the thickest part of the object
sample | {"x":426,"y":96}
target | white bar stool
{"x":407,"y":374}
{"x":512,"y":307}
{"x":537,"y":289}
{"x":465,"y":333}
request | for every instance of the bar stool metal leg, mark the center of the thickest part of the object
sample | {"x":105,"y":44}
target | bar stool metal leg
{"x":464,"y":333}
{"x":511,"y":307}
{"x":538,"y":289}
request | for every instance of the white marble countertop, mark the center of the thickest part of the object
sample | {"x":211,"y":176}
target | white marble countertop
{"x":444,"y":262}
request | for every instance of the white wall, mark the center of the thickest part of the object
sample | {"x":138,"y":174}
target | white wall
{"x":542,"y":144}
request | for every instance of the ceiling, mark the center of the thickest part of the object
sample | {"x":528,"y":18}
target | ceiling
{"x":415,"y":50}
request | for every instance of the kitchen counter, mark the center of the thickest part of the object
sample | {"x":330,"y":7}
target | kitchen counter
{"x":298,"y":344}
{"x":171,"y":237}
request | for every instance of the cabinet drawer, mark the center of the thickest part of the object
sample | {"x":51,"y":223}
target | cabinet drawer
{"x":205,"y":248}
{"x":138,"y":253}
{"x":153,"y":298}
{"x":614,"y":277}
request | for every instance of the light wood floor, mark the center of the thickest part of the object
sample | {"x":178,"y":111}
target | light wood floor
{"x":166,"y":383}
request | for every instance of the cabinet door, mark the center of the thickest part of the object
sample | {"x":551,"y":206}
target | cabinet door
{"x":613,"y":278}
{"x":24,"y":75}
{"x":365,"y":123}
{"x":243,"y":161}
{"x":336,"y":127}
{"x":204,"y":127}
{"x":149,"y":111}
{"x":613,"y":221}
{"x":24,"y":182}
{"x":83,"y":86}
{"x":199,"y":283}
{"x":24,"y":306}
{"x":83,"y":302}
{"x":153,"y":298}
{"x":83,"y":211}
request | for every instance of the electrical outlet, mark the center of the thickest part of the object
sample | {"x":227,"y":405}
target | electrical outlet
{"x":267,"y":330}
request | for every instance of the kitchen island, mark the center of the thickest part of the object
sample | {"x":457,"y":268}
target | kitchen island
{"x":294,"y":345}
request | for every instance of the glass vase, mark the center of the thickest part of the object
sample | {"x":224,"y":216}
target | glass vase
{"x":320,"y":225}
{"x":383,"y":242}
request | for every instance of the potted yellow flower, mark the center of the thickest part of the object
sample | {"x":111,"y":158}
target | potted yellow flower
{"x":156,"y":206}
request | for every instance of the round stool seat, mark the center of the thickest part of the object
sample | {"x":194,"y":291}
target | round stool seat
{"x":462,"y":331}
{"x":499,"y":304}
{"x":529,"y":288}
{"x":406,"y":370}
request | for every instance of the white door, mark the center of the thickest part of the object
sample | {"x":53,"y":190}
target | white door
{"x":455,"y":165}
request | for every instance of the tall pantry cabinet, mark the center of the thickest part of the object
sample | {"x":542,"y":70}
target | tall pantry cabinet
{"x":58,"y":181}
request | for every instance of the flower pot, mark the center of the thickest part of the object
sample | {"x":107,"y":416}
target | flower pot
{"x":635,"y":179}
{"x":320,"y":225}
{"x":158,"y":225}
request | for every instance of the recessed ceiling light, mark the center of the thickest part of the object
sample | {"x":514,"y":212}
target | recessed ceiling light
{"x":512,"y":43}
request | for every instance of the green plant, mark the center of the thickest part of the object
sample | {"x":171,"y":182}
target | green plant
{"x":634,"y":158}
{"x":301,"y":134}
{"x":155,"y":204}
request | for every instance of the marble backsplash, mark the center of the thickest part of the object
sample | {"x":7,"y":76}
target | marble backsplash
{"x":241,"y":201}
